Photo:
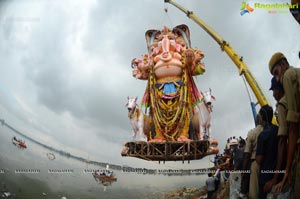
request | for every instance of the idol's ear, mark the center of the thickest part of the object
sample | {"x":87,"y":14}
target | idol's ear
{"x":184,"y":32}
{"x":150,"y":37}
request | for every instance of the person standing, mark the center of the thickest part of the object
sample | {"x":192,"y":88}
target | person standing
{"x":210,"y":183}
{"x":266,"y":153}
{"x":239,"y":155}
{"x":249,"y":156}
{"x":290,"y":78}
{"x":280,"y":112}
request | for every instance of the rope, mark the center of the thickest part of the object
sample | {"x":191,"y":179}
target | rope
{"x":166,"y":17}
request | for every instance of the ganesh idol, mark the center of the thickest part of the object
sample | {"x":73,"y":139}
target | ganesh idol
{"x":171,"y":93}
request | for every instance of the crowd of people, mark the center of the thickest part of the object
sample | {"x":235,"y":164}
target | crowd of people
{"x":227,"y":162}
{"x":269,"y":157}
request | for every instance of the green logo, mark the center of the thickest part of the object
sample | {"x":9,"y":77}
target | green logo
{"x":246,"y":8}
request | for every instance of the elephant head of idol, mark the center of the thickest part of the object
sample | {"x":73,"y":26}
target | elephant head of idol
{"x":166,"y":48}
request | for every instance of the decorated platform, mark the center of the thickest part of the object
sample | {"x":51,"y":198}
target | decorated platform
{"x":168,"y":151}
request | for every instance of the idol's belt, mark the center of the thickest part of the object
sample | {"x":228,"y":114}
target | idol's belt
{"x":168,"y":80}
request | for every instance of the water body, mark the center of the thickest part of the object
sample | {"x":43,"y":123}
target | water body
{"x":30,"y":174}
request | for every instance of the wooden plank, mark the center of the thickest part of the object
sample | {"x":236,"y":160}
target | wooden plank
{"x":168,"y":151}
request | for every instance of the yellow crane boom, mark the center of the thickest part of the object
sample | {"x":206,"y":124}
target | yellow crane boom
{"x":243,"y":68}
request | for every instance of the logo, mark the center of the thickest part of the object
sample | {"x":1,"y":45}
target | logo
{"x":271,"y":8}
{"x":245,"y":8}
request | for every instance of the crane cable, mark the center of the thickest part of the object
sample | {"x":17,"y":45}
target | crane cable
{"x":252,"y":104}
{"x":167,"y":17}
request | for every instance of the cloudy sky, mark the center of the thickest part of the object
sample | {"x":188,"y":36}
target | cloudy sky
{"x":65,"y":66}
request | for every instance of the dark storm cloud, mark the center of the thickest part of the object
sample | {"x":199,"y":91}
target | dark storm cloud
{"x":46,"y":62}
{"x":110,"y":28}
{"x":48,"y":65}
